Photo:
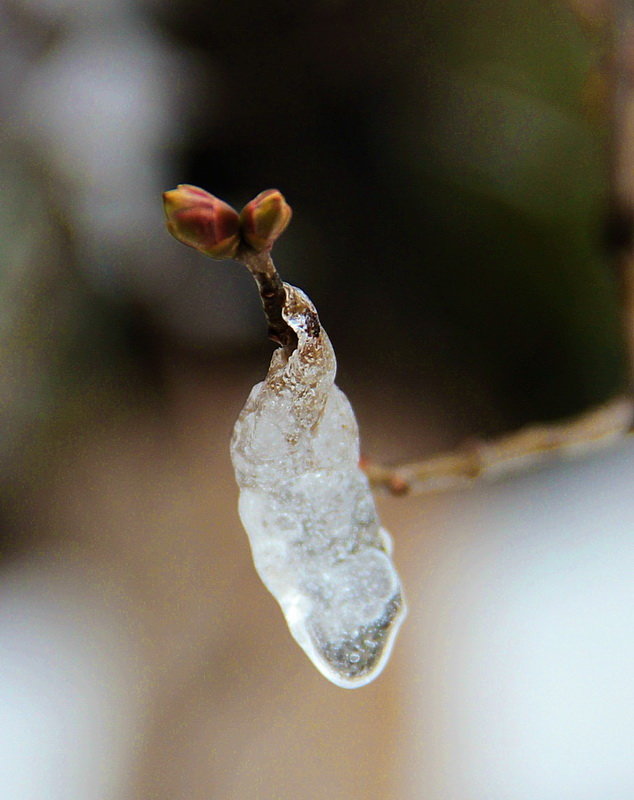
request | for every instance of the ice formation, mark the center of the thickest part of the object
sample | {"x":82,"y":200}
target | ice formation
{"x":316,"y":539}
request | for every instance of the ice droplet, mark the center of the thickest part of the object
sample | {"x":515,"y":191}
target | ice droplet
{"x":316,"y":539}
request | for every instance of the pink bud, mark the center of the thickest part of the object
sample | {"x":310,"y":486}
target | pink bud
{"x":264,"y":219}
{"x":198,"y":219}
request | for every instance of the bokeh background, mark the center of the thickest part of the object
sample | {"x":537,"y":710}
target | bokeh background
{"x":448,"y":164}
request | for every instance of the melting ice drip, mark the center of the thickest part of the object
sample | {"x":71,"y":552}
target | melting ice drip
{"x":316,"y":539}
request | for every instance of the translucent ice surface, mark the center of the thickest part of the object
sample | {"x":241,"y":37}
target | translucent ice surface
{"x":316,"y":540}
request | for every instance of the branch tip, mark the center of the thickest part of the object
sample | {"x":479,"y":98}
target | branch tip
{"x":201,"y":220}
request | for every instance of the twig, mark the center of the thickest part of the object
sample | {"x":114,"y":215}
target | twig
{"x":203,"y":221}
{"x":599,"y":427}
{"x":272,"y":293}
{"x":509,"y":454}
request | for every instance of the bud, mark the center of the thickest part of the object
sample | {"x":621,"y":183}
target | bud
{"x":264,"y":219}
{"x":198,"y":219}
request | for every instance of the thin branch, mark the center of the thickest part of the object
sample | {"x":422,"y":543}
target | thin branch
{"x":599,"y":427}
{"x":272,"y":293}
{"x":516,"y":452}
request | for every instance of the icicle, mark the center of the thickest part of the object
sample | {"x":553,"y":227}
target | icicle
{"x":316,"y":539}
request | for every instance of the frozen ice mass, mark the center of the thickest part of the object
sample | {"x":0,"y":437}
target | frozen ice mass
{"x":308,"y":510}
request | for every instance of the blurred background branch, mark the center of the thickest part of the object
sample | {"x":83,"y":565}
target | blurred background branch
{"x":507,"y":455}
{"x":622,"y":82}
{"x":611,"y":77}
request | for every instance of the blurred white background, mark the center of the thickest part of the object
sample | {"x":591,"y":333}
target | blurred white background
{"x":522,"y":637}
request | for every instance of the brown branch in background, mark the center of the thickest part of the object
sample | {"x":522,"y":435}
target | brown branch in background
{"x":622,"y":178}
{"x":513,"y":453}
{"x":599,"y":427}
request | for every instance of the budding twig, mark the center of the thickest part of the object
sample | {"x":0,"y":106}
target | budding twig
{"x":202,"y":221}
